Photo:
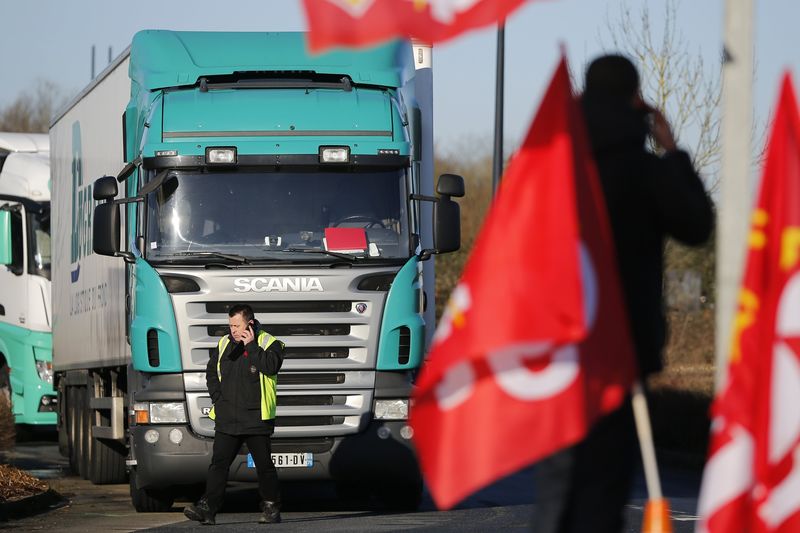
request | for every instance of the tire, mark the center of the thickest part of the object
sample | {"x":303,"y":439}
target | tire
{"x":63,"y":423}
{"x":5,"y":383}
{"x":150,"y":500}
{"x":8,"y":427}
{"x":74,"y":428}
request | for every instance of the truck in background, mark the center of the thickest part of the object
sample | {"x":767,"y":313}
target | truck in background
{"x":26,"y":371}
{"x":250,"y":171}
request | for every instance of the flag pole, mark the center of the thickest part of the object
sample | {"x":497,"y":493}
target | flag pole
{"x":656,"y":512}
{"x":735,"y":197}
{"x":497,"y":170}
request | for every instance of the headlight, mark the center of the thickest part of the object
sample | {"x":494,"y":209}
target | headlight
{"x":391,"y":409}
{"x":167,"y":413}
{"x":45,"y":371}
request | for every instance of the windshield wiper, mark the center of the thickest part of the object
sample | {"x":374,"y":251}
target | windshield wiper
{"x":339,"y":255}
{"x":231,"y":257}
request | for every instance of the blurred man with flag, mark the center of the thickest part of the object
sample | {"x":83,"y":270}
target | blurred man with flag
{"x":532,"y":356}
{"x":751,"y":481}
{"x":534,"y":345}
{"x":648,"y":198}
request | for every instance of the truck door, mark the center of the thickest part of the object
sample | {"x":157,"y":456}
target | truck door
{"x":13,"y":299}
{"x":13,"y":285}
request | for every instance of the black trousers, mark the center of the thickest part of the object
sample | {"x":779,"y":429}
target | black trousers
{"x":226,"y":447}
{"x":585,"y":487}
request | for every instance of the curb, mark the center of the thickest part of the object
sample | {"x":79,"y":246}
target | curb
{"x":32,"y":505}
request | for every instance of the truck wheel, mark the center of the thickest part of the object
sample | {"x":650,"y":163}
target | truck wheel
{"x":62,"y":423}
{"x":8,"y":428}
{"x":5,"y":383}
{"x":75,"y":428}
{"x":149,"y":500}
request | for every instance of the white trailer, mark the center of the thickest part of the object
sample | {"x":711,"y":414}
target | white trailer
{"x":89,"y":289}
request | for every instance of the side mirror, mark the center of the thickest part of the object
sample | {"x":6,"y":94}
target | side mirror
{"x":447,"y":214}
{"x":446,"y":226}
{"x":5,"y":237}
{"x":450,"y":185}
{"x":105,"y":188}
{"x":105,"y":230}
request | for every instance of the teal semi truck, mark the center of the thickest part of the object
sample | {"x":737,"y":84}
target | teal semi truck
{"x":26,"y":371}
{"x":200,"y":170}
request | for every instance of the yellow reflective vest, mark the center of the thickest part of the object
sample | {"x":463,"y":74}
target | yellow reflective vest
{"x":267,"y":382}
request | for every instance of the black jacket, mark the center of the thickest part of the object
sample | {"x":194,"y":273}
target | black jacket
{"x":648,"y":198}
{"x":237,"y":399}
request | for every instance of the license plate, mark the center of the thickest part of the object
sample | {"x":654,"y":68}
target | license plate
{"x":287,"y":460}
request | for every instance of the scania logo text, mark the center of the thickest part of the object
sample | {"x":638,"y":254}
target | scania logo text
{"x":277,"y":285}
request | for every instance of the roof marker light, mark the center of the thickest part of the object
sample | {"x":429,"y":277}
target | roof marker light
{"x":221,"y":156}
{"x":334,"y":154}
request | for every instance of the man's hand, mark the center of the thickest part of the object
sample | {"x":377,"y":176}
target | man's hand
{"x":661,"y":131}
{"x":248,"y":335}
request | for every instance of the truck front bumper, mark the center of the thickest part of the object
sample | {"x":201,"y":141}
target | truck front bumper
{"x":380,"y":453}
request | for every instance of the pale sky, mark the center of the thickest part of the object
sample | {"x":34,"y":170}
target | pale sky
{"x":52,"y":39}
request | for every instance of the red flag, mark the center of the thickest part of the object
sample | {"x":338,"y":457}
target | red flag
{"x":752,"y":478}
{"x":504,"y":385}
{"x":365,"y":22}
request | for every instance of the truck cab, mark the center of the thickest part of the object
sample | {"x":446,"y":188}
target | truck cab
{"x":26,"y":372}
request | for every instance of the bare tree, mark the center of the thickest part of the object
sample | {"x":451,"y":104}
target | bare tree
{"x":32,"y":110}
{"x":675,"y":79}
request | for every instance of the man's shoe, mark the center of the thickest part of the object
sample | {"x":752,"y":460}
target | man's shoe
{"x":200,"y":512}
{"x":271,"y":513}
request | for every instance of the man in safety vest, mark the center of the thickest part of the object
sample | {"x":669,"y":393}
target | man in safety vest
{"x":241,"y":379}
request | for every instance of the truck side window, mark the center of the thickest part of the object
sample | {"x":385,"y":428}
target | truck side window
{"x":16,"y":265}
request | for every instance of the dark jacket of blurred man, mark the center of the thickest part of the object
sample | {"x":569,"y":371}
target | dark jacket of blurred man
{"x":241,"y":378}
{"x":650,"y":197}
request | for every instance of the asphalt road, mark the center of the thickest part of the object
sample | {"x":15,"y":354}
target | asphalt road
{"x":506,"y":505}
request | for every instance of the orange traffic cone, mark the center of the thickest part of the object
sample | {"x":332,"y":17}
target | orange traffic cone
{"x":656,"y":517}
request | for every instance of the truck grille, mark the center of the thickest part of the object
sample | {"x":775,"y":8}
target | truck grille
{"x":326,"y":383}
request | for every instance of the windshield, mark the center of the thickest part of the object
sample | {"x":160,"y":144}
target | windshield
{"x":279,"y":215}
{"x":40,"y":242}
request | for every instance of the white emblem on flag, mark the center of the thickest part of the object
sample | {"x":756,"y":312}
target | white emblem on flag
{"x":508,"y":365}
